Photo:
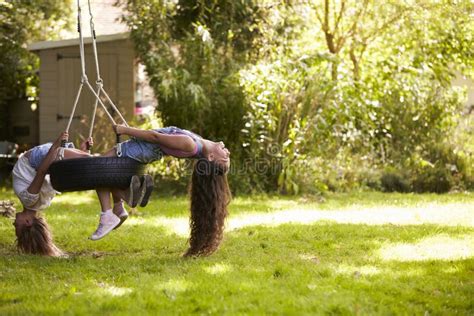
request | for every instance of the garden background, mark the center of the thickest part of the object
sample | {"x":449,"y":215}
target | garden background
{"x":328,"y":107}
{"x":310,"y":96}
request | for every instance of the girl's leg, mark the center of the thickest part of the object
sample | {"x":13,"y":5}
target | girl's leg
{"x":75,"y":153}
{"x":70,"y":153}
{"x":110,"y":153}
{"x":118,"y":209}
{"x":108,"y":220}
{"x":104,"y":199}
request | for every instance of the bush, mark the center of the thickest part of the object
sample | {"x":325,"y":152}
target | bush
{"x":435,"y":179}
{"x":394,"y":181}
{"x":442,"y":170}
{"x":438,"y":169}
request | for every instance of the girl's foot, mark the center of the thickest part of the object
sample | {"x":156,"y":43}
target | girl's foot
{"x":134,"y":192}
{"x":108,"y":221}
{"x":146,"y":189}
{"x":121,"y":212}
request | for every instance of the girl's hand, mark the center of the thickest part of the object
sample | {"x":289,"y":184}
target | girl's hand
{"x":87,"y":144}
{"x":119,"y":129}
{"x":64,"y":136}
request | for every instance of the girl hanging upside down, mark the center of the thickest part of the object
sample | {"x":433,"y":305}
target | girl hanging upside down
{"x":32,"y":185}
{"x":209,"y":189}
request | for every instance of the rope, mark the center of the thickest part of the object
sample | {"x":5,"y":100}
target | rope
{"x":114,"y":107}
{"x":101,"y":103}
{"x":94,"y":112}
{"x":99,"y":81}
{"x":74,"y":107}
{"x":94,"y":45}
{"x":84,"y":79}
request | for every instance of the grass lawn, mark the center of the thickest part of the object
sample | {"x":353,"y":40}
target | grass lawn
{"x":358,"y":253}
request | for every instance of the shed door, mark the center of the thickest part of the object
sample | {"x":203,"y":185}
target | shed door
{"x":69,"y":78}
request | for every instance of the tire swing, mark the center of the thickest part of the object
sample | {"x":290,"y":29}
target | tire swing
{"x":81,"y":174}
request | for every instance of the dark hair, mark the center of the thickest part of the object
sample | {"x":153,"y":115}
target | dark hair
{"x":210,"y":196}
{"x":37,"y":239}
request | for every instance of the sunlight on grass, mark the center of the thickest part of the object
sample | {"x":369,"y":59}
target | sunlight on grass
{"x":454,"y":214}
{"x":178,"y":226}
{"x":174,"y":286}
{"x":76,"y":198}
{"x":105,"y":289}
{"x":448,"y":215}
{"x":354,"y":270}
{"x":218,"y":268}
{"x":282,"y":204}
{"x":439,"y":247}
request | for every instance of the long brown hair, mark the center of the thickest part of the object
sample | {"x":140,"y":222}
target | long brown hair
{"x":37,"y":239}
{"x":210,"y":196}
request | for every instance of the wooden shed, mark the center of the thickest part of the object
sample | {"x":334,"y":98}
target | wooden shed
{"x":60,"y":75}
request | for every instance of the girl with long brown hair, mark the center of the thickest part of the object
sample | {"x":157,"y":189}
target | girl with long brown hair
{"x":209,"y":189}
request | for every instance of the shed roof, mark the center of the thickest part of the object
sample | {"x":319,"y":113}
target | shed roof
{"x":75,"y":41}
{"x":107,"y":23}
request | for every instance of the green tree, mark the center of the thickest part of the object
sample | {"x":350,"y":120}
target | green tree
{"x":312,"y":93}
{"x":367,"y":82}
{"x":192,"y":51}
{"x":21,"y":22}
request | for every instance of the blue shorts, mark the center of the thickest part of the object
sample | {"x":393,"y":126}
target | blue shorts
{"x":38,"y":153}
{"x":141,"y":151}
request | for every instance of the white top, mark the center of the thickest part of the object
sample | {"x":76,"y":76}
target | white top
{"x":23,"y":175}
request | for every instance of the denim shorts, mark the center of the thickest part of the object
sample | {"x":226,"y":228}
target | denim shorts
{"x":141,"y":151}
{"x":38,"y":153}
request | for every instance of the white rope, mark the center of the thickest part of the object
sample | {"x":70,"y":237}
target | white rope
{"x":94,"y":45}
{"x":81,"y":39}
{"x":74,"y":107}
{"x":101,"y":103}
{"x":84,"y":79}
{"x":99,"y":81}
{"x":114,"y":107}
{"x":91,"y":127}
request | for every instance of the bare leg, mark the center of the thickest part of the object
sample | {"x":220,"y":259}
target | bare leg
{"x":110,"y":153}
{"x":118,"y":197}
{"x":104,"y":198}
{"x":75,"y":153}
{"x":118,"y":209}
{"x":108,"y":220}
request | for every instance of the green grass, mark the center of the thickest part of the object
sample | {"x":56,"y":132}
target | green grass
{"x":358,"y":253}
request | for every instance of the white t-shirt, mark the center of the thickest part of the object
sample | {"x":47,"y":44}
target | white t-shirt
{"x":23,"y":175}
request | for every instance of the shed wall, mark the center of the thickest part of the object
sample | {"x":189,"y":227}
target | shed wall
{"x":60,"y":75}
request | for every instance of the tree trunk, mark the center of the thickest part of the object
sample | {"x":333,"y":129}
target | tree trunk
{"x":355,"y":64}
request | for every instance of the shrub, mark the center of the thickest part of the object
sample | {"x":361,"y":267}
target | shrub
{"x":394,"y":181}
{"x":435,"y":179}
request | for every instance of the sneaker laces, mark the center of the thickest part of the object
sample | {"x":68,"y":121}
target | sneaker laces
{"x":101,"y":224}
{"x":98,"y":231}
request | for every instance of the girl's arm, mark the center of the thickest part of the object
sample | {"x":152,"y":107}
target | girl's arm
{"x":176,"y":142}
{"x":38,"y":180}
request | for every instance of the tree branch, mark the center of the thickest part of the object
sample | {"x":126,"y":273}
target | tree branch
{"x":339,"y":17}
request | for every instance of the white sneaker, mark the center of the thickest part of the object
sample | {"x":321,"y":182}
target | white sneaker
{"x":122,"y":213}
{"x":107,"y":222}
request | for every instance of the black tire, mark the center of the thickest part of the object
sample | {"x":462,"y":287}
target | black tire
{"x":90,"y":173}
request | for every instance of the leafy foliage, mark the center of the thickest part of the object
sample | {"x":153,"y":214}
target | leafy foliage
{"x":317,"y":95}
{"x":21,"y":22}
